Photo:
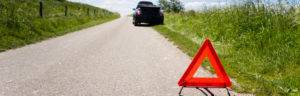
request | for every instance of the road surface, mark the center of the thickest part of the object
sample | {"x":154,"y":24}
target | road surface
{"x":112,"y":59}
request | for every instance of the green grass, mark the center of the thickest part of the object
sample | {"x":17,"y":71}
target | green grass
{"x":258,"y":46}
{"x":21,"y":24}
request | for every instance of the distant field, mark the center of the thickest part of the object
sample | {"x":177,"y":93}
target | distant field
{"x":21,"y":22}
{"x":258,"y":46}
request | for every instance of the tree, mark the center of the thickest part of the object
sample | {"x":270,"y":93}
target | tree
{"x":165,"y":5}
{"x":171,"y":5}
{"x":176,"y":6}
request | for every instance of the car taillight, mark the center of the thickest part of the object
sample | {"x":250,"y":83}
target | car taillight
{"x":138,"y":12}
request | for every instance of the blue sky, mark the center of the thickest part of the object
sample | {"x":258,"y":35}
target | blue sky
{"x":124,"y":7}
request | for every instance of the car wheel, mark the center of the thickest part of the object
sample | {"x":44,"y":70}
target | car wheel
{"x":135,"y":23}
{"x":161,"y":22}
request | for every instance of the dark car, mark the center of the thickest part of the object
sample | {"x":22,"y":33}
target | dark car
{"x":147,"y":12}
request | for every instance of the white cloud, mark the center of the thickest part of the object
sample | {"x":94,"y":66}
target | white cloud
{"x":200,"y":5}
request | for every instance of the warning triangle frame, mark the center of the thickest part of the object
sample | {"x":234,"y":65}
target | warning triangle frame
{"x":222,"y":80}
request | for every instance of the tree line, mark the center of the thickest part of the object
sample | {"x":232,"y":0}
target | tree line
{"x":171,"y":5}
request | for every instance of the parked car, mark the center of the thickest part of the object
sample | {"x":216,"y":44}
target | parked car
{"x":147,"y":12}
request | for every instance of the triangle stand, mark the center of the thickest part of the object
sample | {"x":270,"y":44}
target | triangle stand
{"x":202,"y":91}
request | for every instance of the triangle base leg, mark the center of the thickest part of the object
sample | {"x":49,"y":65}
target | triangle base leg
{"x":181,"y":89}
{"x":228,"y":93}
{"x":202,"y":91}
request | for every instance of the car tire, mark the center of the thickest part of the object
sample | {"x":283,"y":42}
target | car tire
{"x":135,"y":23}
{"x":161,"y":23}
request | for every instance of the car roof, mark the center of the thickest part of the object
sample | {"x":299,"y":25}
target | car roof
{"x":145,"y":2}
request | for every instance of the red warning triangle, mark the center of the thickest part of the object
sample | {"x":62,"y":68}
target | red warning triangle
{"x":222,"y":79}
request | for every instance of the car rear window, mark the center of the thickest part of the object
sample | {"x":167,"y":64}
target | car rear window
{"x":145,"y":4}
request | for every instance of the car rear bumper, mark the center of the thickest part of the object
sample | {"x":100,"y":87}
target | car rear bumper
{"x":148,"y":19}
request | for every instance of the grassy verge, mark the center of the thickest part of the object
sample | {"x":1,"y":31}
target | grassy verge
{"x":258,"y":46}
{"x":21,"y":23}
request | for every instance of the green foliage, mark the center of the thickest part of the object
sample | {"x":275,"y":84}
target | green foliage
{"x":258,"y":45}
{"x":21,"y":24}
{"x":171,"y":5}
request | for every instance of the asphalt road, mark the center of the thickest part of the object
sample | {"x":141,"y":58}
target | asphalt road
{"x":112,"y":59}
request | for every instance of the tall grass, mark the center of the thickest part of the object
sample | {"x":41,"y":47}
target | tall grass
{"x":21,"y":24}
{"x":258,"y":44}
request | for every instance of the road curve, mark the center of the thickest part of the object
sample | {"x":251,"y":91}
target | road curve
{"x":111,"y":59}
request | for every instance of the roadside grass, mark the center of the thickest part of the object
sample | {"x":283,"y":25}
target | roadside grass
{"x":20,"y":23}
{"x":258,"y":45}
{"x":184,"y":43}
